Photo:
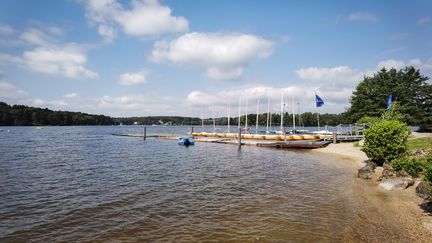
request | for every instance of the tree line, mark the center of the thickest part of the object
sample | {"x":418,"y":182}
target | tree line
{"x":305,"y":119}
{"x":21,"y":115}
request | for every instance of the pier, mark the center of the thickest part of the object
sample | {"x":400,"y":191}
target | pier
{"x":340,"y":133}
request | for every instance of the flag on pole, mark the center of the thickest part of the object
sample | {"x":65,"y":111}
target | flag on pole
{"x":389,"y":101}
{"x":319,"y":101}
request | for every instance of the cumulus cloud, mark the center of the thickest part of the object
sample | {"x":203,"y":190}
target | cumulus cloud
{"x":9,"y":91}
{"x":139,"y":105}
{"x":68,"y":61}
{"x":6,"y":29}
{"x":36,"y":37}
{"x":144,"y":18}
{"x":334,"y":84}
{"x":362,"y":16}
{"x":51,"y":57}
{"x":342,"y":75}
{"x":53,"y":104}
{"x":134,"y":78}
{"x":336,"y":100}
{"x":398,"y":64}
{"x":223,"y":55}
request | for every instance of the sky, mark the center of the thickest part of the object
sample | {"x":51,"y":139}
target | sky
{"x":203,"y":58}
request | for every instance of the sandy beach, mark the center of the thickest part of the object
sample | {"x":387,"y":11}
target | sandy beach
{"x":388,"y":213}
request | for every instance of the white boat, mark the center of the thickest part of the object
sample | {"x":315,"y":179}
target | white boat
{"x":324,"y":132}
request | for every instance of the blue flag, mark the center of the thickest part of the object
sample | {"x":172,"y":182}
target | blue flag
{"x":319,"y":101}
{"x":389,"y":102}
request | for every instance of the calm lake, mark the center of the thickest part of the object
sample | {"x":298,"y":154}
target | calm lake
{"x":84,"y":184}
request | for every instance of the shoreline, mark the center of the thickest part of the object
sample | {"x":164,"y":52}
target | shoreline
{"x":399,"y":209}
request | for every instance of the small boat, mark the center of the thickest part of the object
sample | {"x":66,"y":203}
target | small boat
{"x":186,"y":141}
{"x":323,"y":132}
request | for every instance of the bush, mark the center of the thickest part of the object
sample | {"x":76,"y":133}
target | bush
{"x":386,"y":140}
{"x":369,"y":120}
{"x":411,"y":165}
{"x":428,"y":175}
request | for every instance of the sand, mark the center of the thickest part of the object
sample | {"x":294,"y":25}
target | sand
{"x":386,"y":215}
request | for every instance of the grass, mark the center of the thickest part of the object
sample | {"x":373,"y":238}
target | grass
{"x":419,"y":143}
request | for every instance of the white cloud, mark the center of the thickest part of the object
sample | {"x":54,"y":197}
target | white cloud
{"x":134,"y":78}
{"x":346,"y":77}
{"x":398,"y":64}
{"x":71,"y":95}
{"x":423,"y":21}
{"x":8,"y":90}
{"x":51,"y":58}
{"x":6,"y":30}
{"x":145,"y":18}
{"x":66,"y":61}
{"x":336,"y":100}
{"x":223,"y":55}
{"x":139,"y":105}
{"x":36,"y":37}
{"x":343,"y":76}
{"x":362,"y":16}
{"x":52,"y":104}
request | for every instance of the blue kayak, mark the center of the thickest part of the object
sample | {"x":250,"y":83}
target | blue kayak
{"x":186,"y":141}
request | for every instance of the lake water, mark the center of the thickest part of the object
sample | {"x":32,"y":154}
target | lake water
{"x":84,"y":184}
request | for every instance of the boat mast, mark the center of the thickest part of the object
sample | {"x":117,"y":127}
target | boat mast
{"x":246,"y":121}
{"x":282,"y":110}
{"x":229,"y":114}
{"x":239,"y":114}
{"x":293,"y":107}
{"x":202,"y":120}
{"x":268,"y":113}
{"x":214,"y":121}
{"x":257,"y":117}
{"x":298,"y":112}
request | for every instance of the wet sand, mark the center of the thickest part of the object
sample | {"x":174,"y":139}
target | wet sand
{"x":390,"y":216}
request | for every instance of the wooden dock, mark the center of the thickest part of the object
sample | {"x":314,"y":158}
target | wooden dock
{"x":298,"y":144}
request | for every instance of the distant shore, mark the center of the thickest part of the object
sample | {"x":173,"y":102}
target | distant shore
{"x":399,"y":207}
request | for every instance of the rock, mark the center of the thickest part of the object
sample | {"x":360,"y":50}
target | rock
{"x":424,"y":190}
{"x":397,"y":183}
{"x":387,"y":172}
{"x":361,"y":142}
{"x":366,"y":172}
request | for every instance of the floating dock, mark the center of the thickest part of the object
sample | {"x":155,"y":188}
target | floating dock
{"x":274,"y":141}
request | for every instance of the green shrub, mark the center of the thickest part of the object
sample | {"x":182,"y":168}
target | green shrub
{"x":368,"y":120}
{"x":386,"y":140}
{"x":411,"y":165}
{"x":428,"y":175}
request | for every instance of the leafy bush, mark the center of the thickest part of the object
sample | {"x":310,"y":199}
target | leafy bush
{"x":428,"y":175}
{"x":369,"y":120}
{"x":411,"y":165}
{"x":386,"y":140}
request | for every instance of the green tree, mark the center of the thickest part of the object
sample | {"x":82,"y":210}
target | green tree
{"x":408,"y":88}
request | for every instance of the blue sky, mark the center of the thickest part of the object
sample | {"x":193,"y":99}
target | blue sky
{"x":140,"y":58}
